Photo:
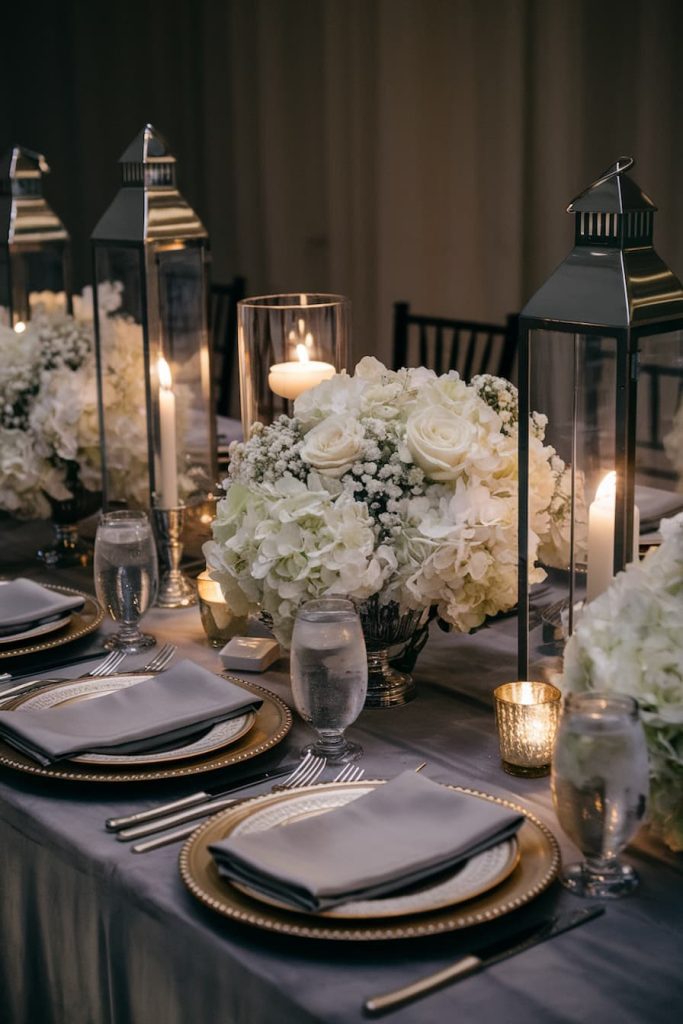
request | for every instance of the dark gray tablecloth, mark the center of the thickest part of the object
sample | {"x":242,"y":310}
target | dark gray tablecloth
{"x":92,"y":933}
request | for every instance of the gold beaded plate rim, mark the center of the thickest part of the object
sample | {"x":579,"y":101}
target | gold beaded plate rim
{"x":81,"y":623}
{"x":537,"y":867}
{"x":272,"y":722}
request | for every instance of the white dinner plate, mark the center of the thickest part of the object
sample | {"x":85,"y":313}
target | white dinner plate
{"x":39,"y":630}
{"x":216,"y":737}
{"x":477,"y":875}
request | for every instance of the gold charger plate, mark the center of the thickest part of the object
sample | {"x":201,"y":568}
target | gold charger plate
{"x":538,"y":864}
{"x":272,"y":722}
{"x":74,"y":691}
{"x":80,"y":624}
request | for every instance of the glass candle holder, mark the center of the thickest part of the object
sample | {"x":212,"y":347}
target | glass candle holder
{"x":218,"y":619}
{"x":287,"y":345}
{"x":527,"y":714}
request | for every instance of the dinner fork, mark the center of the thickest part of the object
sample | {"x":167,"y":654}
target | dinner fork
{"x":349,"y":773}
{"x":161,"y":659}
{"x":306,"y":773}
{"x":107,"y":667}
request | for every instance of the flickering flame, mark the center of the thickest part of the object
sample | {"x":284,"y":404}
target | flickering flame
{"x":19,"y":327}
{"x":164,"y":372}
{"x":607,"y":488}
{"x":302,"y":354}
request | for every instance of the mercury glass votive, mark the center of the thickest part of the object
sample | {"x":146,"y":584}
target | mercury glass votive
{"x":218,"y":619}
{"x":527,"y":714}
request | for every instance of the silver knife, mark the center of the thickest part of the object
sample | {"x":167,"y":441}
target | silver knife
{"x":521,"y":940}
{"x":202,"y":797}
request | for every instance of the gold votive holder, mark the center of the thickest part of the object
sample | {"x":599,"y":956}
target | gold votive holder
{"x":527,"y":714}
{"x":218,"y":619}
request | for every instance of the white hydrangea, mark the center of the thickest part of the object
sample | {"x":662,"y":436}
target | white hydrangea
{"x":393,"y":483}
{"x":632,"y":642}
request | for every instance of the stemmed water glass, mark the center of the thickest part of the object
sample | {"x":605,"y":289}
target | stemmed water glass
{"x":329,"y":674}
{"x":599,"y":785}
{"x":126,"y":576}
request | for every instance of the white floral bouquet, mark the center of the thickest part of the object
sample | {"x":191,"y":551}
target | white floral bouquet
{"x":632,"y":642}
{"x":49,"y":434}
{"x":396,"y":484}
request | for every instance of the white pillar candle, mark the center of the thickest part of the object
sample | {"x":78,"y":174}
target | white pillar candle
{"x":168,"y":484}
{"x":289,"y":380}
{"x":601,"y":516}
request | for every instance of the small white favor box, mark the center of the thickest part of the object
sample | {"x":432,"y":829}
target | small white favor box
{"x":250,"y":653}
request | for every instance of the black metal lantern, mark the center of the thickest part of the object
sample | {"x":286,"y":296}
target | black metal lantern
{"x":601,"y":355}
{"x":154,"y":361}
{"x":34,"y":244}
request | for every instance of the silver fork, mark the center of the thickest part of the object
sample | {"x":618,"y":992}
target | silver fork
{"x":349,"y":773}
{"x":161,"y":659}
{"x":304,"y":774}
{"x":107,"y":667}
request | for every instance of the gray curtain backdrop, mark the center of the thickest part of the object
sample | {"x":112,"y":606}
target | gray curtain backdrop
{"x":422,"y":150}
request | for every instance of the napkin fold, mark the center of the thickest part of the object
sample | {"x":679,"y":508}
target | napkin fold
{"x":24,"y":603}
{"x":150,"y":714}
{"x":400,"y":833}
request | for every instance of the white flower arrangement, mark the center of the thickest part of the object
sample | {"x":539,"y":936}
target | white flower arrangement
{"x":48,"y":413}
{"x":632,"y":642}
{"x":397,"y":484}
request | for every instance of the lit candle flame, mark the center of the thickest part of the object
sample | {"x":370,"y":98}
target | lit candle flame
{"x":19,"y":327}
{"x":164,"y":371}
{"x":302,"y":354}
{"x":607,"y":488}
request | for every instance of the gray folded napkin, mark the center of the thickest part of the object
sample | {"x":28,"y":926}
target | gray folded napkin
{"x":24,"y":603}
{"x":150,"y":714}
{"x":400,"y":833}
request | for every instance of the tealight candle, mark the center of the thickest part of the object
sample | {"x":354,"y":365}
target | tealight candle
{"x":527,"y":714}
{"x":218,"y":619}
{"x":291,"y":379}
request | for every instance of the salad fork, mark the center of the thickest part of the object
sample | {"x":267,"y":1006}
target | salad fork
{"x":107,"y":667}
{"x":307,"y":772}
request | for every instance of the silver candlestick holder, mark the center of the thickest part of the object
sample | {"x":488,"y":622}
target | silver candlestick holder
{"x":176,"y":590}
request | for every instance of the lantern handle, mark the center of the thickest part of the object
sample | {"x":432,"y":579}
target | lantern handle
{"x":621,"y":164}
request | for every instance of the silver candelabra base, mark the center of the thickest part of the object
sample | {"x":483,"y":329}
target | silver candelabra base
{"x":176,"y":590}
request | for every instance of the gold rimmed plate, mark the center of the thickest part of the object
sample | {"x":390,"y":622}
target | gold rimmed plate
{"x":268,"y":727}
{"x":522,"y":873}
{"x":39,"y":630}
{"x":74,"y":691}
{"x":80,"y":623}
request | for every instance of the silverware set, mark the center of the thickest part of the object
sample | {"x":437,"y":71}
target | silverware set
{"x":202,"y":805}
{"x":107,"y":667}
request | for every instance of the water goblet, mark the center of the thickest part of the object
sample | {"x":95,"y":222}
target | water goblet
{"x":329,"y":674}
{"x":126,"y":576}
{"x":599,"y":784}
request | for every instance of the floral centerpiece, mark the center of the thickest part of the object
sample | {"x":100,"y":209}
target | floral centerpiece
{"x":49,"y":435}
{"x":632,"y":642}
{"x":400,"y":485}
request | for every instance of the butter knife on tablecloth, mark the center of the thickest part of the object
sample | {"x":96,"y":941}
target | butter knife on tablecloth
{"x":518,"y":942}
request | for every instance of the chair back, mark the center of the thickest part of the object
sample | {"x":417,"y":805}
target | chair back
{"x":443,"y":344}
{"x":223,"y":326}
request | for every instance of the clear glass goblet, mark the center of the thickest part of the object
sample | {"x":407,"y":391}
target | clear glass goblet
{"x":126,"y":576}
{"x":599,"y":784}
{"x":329,"y":674}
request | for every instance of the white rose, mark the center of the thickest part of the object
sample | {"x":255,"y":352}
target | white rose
{"x":334,"y":445}
{"x":439,"y":441}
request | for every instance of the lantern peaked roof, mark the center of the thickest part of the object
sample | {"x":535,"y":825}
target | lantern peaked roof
{"x":24,"y":214}
{"x":613,"y":192}
{"x":612,"y":279}
{"x":148,"y":207}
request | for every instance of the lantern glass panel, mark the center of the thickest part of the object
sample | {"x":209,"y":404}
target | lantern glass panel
{"x":122,"y":368}
{"x":659,"y":430}
{"x":184,"y":345}
{"x":573,"y":382}
{"x":37,"y":274}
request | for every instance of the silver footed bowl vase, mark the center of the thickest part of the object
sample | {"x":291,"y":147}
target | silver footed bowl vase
{"x":385,"y":628}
